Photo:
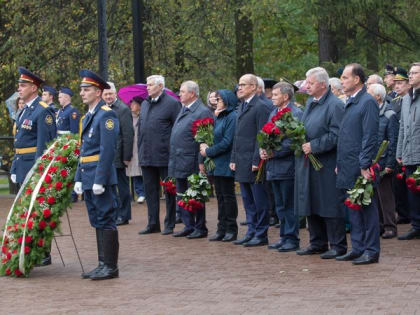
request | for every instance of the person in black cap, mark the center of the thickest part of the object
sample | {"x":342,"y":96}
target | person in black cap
{"x":389,"y":80}
{"x":96,"y":176}
{"x":48,"y":93}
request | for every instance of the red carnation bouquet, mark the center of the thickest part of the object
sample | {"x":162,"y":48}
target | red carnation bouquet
{"x":202,"y":130}
{"x":269,"y":139}
{"x":197,"y":194}
{"x":361,"y":193}
{"x":295,"y":131}
{"x":413,"y":182}
{"x":169,"y":184}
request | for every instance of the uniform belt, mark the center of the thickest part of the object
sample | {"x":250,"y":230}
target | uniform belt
{"x":63,"y":132}
{"x":25,"y":150}
{"x":89,"y":158}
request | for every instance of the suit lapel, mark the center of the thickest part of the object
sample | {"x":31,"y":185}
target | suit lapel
{"x":88,"y":117}
{"x":250,"y":104}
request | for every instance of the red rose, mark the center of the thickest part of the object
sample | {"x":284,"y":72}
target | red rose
{"x":51,"y":151}
{"x":49,"y":186}
{"x":30,"y":224}
{"x":65,"y":146}
{"x":44,"y":156}
{"x":4,"y":249}
{"x":69,"y":184}
{"x":50,"y":157}
{"x":76,"y":151}
{"x":403,"y":168}
{"x":58,"y":185}
{"x":42,"y":189}
{"x":63,"y":173}
{"x":63,"y":160}
{"x":418,"y":188}
{"x":17,"y":272}
{"x":28,"y":239}
{"x":9,"y":255}
{"x":14,"y":251}
{"x":40,"y":242}
{"x":51,"y":200}
{"x":40,"y":199}
{"x":20,"y":239}
{"x":46,"y":213}
{"x":399,"y":176}
{"x":28,"y":191}
{"x":52,"y":224}
{"x":268,"y":127}
{"x":27,"y":249}
{"x":42,"y":224}
{"x":58,"y":158}
{"x":34,"y":214}
{"x":7,"y":271}
{"x":53,"y":170}
{"x":286,"y":110}
{"x":41,"y":167}
{"x":47,"y":178}
{"x":410,"y":181}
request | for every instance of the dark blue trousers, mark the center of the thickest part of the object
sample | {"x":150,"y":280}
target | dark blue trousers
{"x":102,"y":209}
{"x":256,"y":206}
{"x":193,"y":221}
{"x":365,"y":231}
{"x":413,"y":200}
{"x":283,"y":191}
{"x":138,"y":185}
{"x":124,"y":195}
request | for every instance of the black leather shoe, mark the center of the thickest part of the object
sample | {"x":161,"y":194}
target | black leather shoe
{"x":46,"y":261}
{"x":111,"y":249}
{"x":216,"y":237}
{"x":410,"y":235}
{"x":365,"y":260}
{"x":243,"y":223}
{"x":256,"y":242}
{"x":167,"y":231}
{"x":332,"y":253}
{"x":106,"y":272}
{"x":178,"y":220}
{"x":197,"y":234}
{"x":288,"y":247}
{"x":389,"y":234}
{"x":275,"y":245}
{"x":87,"y":275}
{"x":229,"y":237}
{"x":182,"y":233}
{"x":149,"y":230}
{"x":245,"y":239}
{"x":349,"y":256}
{"x":121,"y":222}
{"x":311,"y":251}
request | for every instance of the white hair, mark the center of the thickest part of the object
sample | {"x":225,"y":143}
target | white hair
{"x":320,"y":74}
{"x":336,"y":84}
{"x":112,"y":86}
{"x":191,"y":87}
{"x":376,"y":78}
{"x":378,"y":90}
{"x":157,"y":79}
{"x":260,"y":83}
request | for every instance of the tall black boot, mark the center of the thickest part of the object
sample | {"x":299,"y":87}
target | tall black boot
{"x":111,"y":247}
{"x":99,"y":244}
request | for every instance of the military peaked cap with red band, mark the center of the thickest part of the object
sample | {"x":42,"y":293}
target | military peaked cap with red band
{"x":90,"y":78}
{"x":27,"y":76}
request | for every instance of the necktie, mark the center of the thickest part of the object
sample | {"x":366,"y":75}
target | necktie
{"x":349,"y":100}
{"x":185,"y":109}
{"x":244,"y":106}
{"x":23,"y":112}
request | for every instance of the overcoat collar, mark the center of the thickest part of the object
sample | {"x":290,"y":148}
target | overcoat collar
{"x":88,"y":117}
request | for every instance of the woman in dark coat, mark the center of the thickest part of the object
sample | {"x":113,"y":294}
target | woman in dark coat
{"x":224,"y":130}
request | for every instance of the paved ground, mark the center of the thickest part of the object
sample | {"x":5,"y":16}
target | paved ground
{"x":164,"y":275}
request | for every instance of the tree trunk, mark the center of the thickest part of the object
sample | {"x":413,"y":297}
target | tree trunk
{"x":328,"y":51}
{"x":244,"y":43}
{"x":372,"y":45}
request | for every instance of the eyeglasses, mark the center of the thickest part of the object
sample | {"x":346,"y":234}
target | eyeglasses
{"x":241,"y":85}
{"x":413,"y":72}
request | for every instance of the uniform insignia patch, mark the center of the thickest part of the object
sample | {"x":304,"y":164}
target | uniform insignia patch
{"x":48,"y":120}
{"x":109,"y":124}
{"x":74,"y":115}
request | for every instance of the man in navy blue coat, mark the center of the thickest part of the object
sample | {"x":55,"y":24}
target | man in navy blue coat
{"x":48,"y":93}
{"x":356,"y":149}
{"x":96,"y":176}
{"x":68,"y":117}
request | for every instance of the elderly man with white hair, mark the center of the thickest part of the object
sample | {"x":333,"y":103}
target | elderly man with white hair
{"x":124,"y":152}
{"x":337,"y":88}
{"x":315,"y":194}
{"x":388,"y":130}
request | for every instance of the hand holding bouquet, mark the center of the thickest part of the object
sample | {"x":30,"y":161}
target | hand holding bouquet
{"x":413,"y":182}
{"x":203,"y":133}
{"x":197,"y":193}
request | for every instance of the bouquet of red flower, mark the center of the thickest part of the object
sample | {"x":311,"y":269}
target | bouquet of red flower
{"x":361,"y":193}
{"x":169,"y":184}
{"x":36,"y":211}
{"x":269,"y":139}
{"x":197,"y":193}
{"x":400,"y":175}
{"x":295,"y":131}
{"x":203,"y":133}
{"x":413,"y":182}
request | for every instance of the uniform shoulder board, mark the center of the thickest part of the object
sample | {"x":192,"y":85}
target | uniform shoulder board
{"x":83,"y":117}
{"x":396,"y":98}
{"x":388,"y":114}
{"x":43,"y":104}
{"x":106,"y":107}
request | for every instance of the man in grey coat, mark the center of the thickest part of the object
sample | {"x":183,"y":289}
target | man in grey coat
{"x":315,"y":194}
{"x":124,"y":152}
{"x":408,"y":148}
{"x":184,"y":158}
{"x":157,"y":117}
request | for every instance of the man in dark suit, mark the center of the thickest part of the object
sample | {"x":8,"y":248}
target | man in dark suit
{"x":245,"y":160}
{"x":356,"y":149}
{"x":157,"y":117}
{"x":124,"y":151}
{"x":185,"y":159}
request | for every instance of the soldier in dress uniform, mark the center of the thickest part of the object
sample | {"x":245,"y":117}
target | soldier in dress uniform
{"x":389,"y":80}
{"x":96,"y":176}
{"x":48,"y":93}
{"x":35,"y":126}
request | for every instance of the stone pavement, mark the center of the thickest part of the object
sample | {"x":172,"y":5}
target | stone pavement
{"x":166,"y":275}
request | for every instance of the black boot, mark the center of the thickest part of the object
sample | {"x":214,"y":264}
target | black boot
{"x":111,"y":247}
{"x":87,"y":275}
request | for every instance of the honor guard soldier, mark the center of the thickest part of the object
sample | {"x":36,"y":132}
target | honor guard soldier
{"x":389,"y":80}
{"x":48,"y":93}
{"x":35,"y":126}
{"x":68,"y":117}
{"x":96,"y":176}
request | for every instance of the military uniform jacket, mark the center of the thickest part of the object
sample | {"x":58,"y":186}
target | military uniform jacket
{"x":99,"y":137}
{"x":68,"y":120}
{"x":35,"y":126}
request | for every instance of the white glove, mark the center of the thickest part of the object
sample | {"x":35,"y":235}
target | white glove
{"x":78,"y":188}
{"x":98,"y":189}
{"x":13,"y":178}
